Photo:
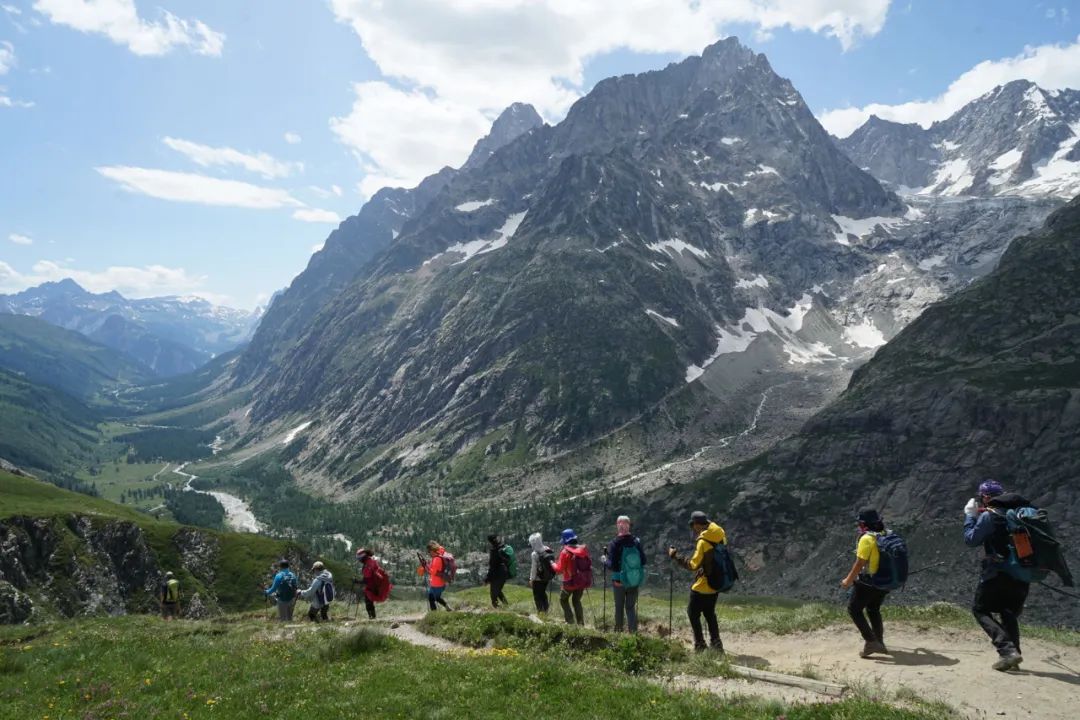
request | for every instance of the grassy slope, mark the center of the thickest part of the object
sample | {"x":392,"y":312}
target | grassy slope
{"x":145,"y":668}
{"x":243,"y":563}
{"x":64,"y":359}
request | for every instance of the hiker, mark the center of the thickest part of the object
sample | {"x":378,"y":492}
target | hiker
{"x":283,"y":590}
{"x":540,"y":572}
{"x":864,"y":605}
{"x":576,"y":567}
{"x":320,"y":594}
{"x":440,"y":570}
{"x":169,"y":597}
{"x":998,"y":592}
{"x":376,"y":582}
{"x":626,"y":559}
{"x":703,"y":596}
{"x":499,"y":569}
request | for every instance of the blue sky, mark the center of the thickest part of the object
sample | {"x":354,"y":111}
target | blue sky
{"x":210,"y":150}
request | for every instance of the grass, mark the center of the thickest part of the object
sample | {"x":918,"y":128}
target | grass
{"x":119,"y":477}
{"x":146,"y":668}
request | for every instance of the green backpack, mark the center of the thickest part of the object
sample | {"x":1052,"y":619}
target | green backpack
{"x":511,"y":561}
{"x":631,"y":571}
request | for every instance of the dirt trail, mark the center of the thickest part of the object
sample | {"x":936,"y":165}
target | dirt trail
{"x":951,"y":666}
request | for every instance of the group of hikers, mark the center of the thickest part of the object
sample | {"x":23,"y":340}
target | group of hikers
{"x":1019,"y":549}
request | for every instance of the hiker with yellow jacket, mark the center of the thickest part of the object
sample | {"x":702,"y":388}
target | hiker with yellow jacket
{"x":708,"y":565}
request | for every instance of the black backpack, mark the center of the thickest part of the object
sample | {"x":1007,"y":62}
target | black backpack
{"x":544,"y":573}
{"x":719,"y":567}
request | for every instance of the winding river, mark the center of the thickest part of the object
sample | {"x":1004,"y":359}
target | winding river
{"x":238,"y":515}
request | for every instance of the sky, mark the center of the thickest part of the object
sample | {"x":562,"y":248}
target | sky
{"x":200,"y":147}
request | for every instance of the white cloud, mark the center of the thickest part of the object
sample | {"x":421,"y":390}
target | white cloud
{"x":402,"y":136}
{"x":261,"y":163}
{"x":119,"y":21}
{"x":11,"y":9}
{"x":9,"y":102}
{"x":189,"y":187}
{"x":137,"y":282}
{"x":316,"y":248}
{"x":314,"y":215}
{"x":7,"y":57}
{"x":464,"y":60}
{"x":19,"y":239}
{"x":292,"y":138}
{"x":1051,"y":66}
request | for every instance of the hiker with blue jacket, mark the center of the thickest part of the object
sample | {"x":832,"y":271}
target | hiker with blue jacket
{"x":626,"y":559}
{"x":864,"y":604}
{"x":320,"y":594}
{"x":998,"y":593}
{"x":284,"y":590}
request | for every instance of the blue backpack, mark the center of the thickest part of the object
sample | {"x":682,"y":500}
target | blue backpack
{"x":1033,"y":548}
{"x":892,"y":570}
{"x":631,"y":572}
{"x":287,"y":589}
{"x":326,"y":592}
{"x":719,"y":568}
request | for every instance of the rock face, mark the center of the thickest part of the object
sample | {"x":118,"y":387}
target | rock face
{"x":1018,"y":139}
{"x":983,"y":384}
{"x":690,"y":226}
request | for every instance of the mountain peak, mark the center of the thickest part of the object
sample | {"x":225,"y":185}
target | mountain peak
{"x":513,"y":122}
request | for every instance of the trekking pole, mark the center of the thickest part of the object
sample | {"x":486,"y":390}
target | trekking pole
{"x":1059,"y":591}
{"x":928,"y":567}
{"x":604,"y":615}
{"x":671,"y":600}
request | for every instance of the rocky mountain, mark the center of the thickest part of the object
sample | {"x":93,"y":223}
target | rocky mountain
{"x":1018,"y":139}
{"x":358,"y":240}
{"x":169,"y":335}
{"x":685,"y":246}
{"x":983,"y":384}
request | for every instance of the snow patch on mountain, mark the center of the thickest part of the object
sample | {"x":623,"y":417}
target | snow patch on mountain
{"x":675,"y":246}
{"x":861,"y":227}
{"x":669,"y":320}
{"x":757,"y":281}
{"x":865,"y":334}
{"x":473,"y":205}
{"x":295,"y":432}
{"x":472,"y":248}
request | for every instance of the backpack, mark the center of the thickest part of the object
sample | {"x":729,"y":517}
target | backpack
{"x":631,"y":571}
{"x":544,"y":573}
{"x":719,"y":567}
{"x":510,"y":559}
{"x":325,"y":593}
{"x":581,"y":577}
{"x":449,"y":568}
{"x":380,"y":584}
{"x":172,"y":591}
{"x":1034,"y":550}
{"x":892,"y":570}
{"x":288,"y":588}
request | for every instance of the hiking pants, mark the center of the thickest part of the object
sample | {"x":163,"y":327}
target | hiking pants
{"x":704,"y":604}
{"x":579,"y":612}
{"x":540,"y":596}
{"x":285,"y":610}
{"x":497,"y":595}
{"x":370,"y":607}
{"x":1004,"y":596}
{"x":625,"y":603}
{"x":434,"y":595}
{"x":867,"y":598}
{"x":321,"y":614}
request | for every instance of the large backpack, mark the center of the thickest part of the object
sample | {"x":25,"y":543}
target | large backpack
{"x":380,"y":585}
{"x":325,"y":592}
{"x":449,"y":568}
{"x":631,"y":570}
{"x":544,"y":573}
{"x":892,"y":570}
{"x":172,"y":591}
{"x":1034,"y":550}
{"x":719,"y":567}
{"x":287,"y":590}
{"x":510,"y":559}
{"x":581,"y":575}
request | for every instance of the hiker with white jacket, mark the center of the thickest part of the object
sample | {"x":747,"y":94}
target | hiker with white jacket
{"x":320,"y":594}
{"x":540,"y":572}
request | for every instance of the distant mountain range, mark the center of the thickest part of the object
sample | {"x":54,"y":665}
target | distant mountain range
{"x":1017,"y":139}
{"x":169,"y":335}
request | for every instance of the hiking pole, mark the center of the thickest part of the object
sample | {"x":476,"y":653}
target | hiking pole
{"x":671,"y":599}
{"x":1059,"y":591}
{"x":928,"y":567}
{"x":604,"y":615}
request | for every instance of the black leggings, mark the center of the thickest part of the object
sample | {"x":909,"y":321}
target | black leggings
{"x":704,"y":604}
{"x":540,"y":596}
{"x":565,"y":598}
{"x":370,"y":607}
{"x":1005,"y":597}
{"x":497,"y":594}
{"x":867,"y":598}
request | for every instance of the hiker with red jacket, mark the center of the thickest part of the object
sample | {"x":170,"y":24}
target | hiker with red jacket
{"x":439,"y":570}
{"x":375,"y":580}
{"x":576,"y":567}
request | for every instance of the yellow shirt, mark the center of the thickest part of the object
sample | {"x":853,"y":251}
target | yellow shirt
{"x":712,"y":535}
{"x":868,"y":551}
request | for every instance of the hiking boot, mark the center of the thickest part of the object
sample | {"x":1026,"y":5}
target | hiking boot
{"x":872,"y":648}
{"x":1008,"y":662}
{"x":700,"y":648}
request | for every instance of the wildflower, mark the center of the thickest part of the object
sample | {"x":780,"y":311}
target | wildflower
{"x":146,"y":681}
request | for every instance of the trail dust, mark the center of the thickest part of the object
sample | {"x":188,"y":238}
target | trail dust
{"x":940,"y":664}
